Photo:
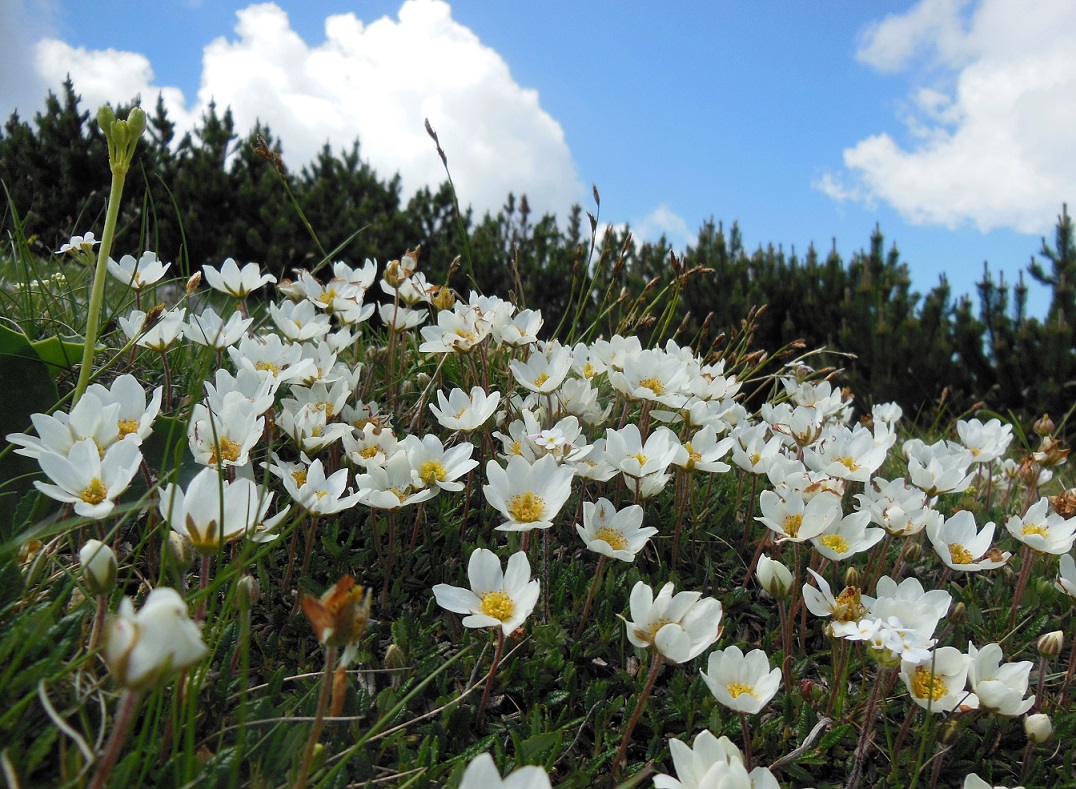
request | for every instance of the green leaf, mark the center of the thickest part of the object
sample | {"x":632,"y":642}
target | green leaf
{"x":61,"y":353}
{"x":28,"y":389}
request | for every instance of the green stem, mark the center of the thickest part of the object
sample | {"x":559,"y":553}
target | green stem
{"x":100,"y":274}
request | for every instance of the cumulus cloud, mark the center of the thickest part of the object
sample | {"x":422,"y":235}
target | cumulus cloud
{"x":991,"y":128}
{"x":377,"y":82}
{"x":21,"y":23}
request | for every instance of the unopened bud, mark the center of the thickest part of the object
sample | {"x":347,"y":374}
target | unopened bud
{"x":912,"y":551}
{"x":136,"y":122}
{"x":121,"y":135}
{"x":105,"y":118}
{"x":153,"y":317}
{"x":247,"y":592}
{"x":181,"y":549}
{"x":98,"y":567}
{"x":1049,"y":645}
{"x":958,"y":613}
{"x":194,"y":282}
{"x":1038,"y":727}
{"x":1044,"y":425}
{"x":948,"y":731}
{"x":851,"y":576}
{"x":774,"y":577}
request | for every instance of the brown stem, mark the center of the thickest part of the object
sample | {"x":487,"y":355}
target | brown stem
{"x":492,"y":672}
{"x":319,"y":717}
{"x":655,"y":667}
{"x":1021,"y":583}
{"x":128,"y":705}
{"x":590,"y":595}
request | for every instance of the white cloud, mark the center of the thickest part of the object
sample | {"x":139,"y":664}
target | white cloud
{"x":377,"y":82}
{"x":992,"y":133}
{"x":663,"y":221}
{"x":21,"y":23}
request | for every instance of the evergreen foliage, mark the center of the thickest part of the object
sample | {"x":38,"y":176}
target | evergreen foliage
{"x":215,"y":194}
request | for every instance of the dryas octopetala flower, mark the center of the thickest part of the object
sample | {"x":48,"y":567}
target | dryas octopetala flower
{"x":528,"y":496}
{"x":938,"y":683}
{"x":678,"y":627}
{"x":744,"y":683}
{"x":235,"y":281}
{"x":86,"y":478}
{"x":1066,"y":575}
{"x":143,"y":647}
{"x":482,"y":773}
{"x":1000,"y":688}
{"x":98,"y":564}
{"x":463,"y":412}
{"x":961,"y":547}
{"x":212,"y":510}
{"x":495,"y":598}
{"x":139,"y":273}
{"x":1042,"y":532}
{"x":614,"y":533}
{"x":712,"y":763}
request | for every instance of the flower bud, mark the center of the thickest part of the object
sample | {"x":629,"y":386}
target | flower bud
{"x":1044,"y":426}
{"x":1049,"y":645}
{"x":444,"y":299}
{"x":194,"y":282}
{"x":396,"y":663}
{"x":136,"y":122}
{"x":105,"y":118}
{"x":247,"y":592}
{"x":958,"y":613}
{"x":773,"y":576}
{"x":98,"y":567}
{"x":1038,"y":727}
{"x":182,"y":550}
{"x":912,"y":551}
{"x":141,"y":648}
{"x":852,"y":576}
{"x":120,"y":135}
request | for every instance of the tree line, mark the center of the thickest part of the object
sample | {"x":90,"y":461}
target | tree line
{"x":216,"y":193}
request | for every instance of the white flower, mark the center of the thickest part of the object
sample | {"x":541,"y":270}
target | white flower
{"x":613,"y":533}
{"x":235,"y":281}
{"x":98,"y":566}
{"x":87,"y":479}
{"x":1038,"y":727}
{"x":135,"y":416}
{"x":744,"y":683}
{"x":961,"y":547}
{"x":626,"y":450}
{"x":393,"y":484}
{"x":142,"y":647}
{"x":315,"y":493}
{"x":139,"y":273}
{"x":482,"y":773}
{"x":299,"y":321}
{"x":986,"y":442}
{"x":212,"y":510}
{"x":495,"y":598}
{"x":678,"y":627}
{"x":1000,"y":688}
{"x":938,"y":684}
{"x":1044,"y":533}
{"x":847,"y":536}
{"x":1066,"y":575}
{"x":436,"y":467}
{"x":773,"y":576}
{"x":543,"y":372}
{"x":78,"y":245}
{"x":463,"y":412}
{"x":224,"y":437}
{"x":159,"y":337}
{"x":209,"y":329}
{"x":792,"y":518}
{"x":528,"y":496}
{"x":712,"y":763}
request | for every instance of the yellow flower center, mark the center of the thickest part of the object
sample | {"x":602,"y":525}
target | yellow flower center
{"x":848,"y":605}
{"x":926,"y":684}
{"x":654,"y":385}
{"x":229,"y":450}
{"x":328,"y":409}
{"x":431,"y":472}
{"x":273,"y":368}
{"x":755,"y":458}
{"x":95,"y":492}
{"x":960,"y":554}
{"x":516,"y":448}
{"x":792,"y":525}
{"x":588,"y":370}
{"x":320,"y":494}
{"x":1032,"y":528}
{"x":368,"y":452}
{"x":498,"y":605}
{"x":541,"y":379}
{"x":127,"y":426}
{"x":401,"y":493}
{"x":849,"y":463}
{"x":526,"y":507}
{"x":615,"y":539}
{"x":693,"y":457}
{"x":299,"y":477}
{"x":641,"y":458}
{"x":737,"y":689}
{"x":467,"y":335}
{"x":835,"y":543}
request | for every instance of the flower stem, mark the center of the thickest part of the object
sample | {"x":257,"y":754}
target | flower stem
{"x":97,"y":294}
{"x":319,"y":717}
{"x":746,"y":741}
{"x":492,"y":672}
{"x":590,"y":595}
{"x":655,"y":667}
{"x":128,"y":705}
{"x":1021,"y":583}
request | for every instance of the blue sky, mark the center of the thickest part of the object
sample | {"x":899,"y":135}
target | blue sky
{"x":946,"y":122}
